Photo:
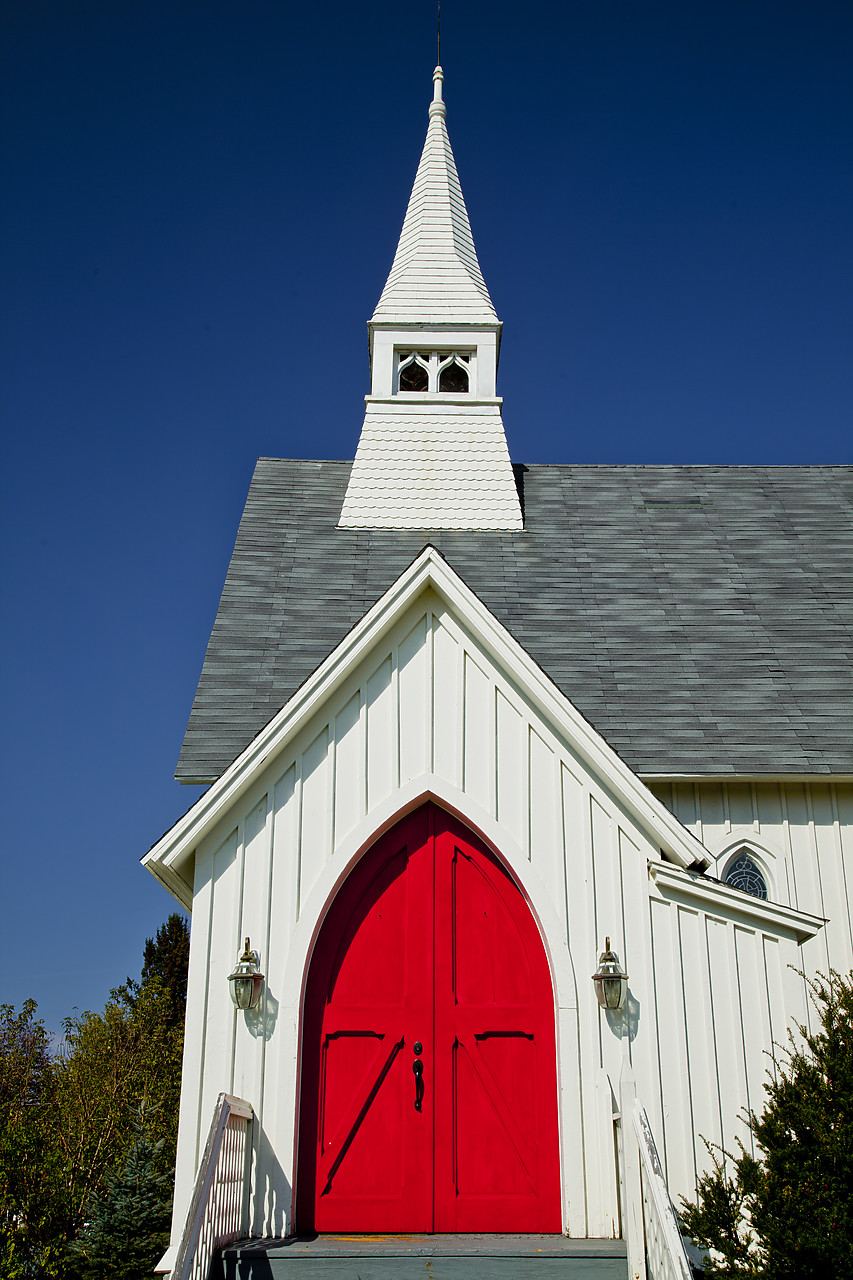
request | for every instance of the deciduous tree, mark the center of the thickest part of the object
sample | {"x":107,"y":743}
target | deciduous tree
{"x":33,"y":1219}
{"x":67,"y":1122}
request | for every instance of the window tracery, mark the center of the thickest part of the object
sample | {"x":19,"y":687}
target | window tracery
{"x":430,"y":372}
{"x":452,"y":375}
{"x":414,"y":373}
{"x":743,"y":872}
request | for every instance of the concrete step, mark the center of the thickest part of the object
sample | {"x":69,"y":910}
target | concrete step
{"x":426,"y":1257}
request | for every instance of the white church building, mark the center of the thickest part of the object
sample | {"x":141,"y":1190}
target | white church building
{"x":462,"y":722}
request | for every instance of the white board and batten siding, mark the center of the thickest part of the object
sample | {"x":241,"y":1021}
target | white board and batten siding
{"x":799,"y":832}
{"x":429,"y":713}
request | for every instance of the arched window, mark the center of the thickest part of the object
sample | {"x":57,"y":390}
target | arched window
{"x":453,"y":376}
{"x":429,"y":372}
{"x":743,"y":872}
{"x":414,"y":375}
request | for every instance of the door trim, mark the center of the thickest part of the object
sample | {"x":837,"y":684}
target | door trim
{"x":345,"y":869}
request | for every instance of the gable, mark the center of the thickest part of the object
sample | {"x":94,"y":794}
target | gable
{"x":701,"y":618}
{"x":429,"y":695}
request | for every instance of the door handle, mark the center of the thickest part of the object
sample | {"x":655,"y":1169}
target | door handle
{"x":418,"y":1068}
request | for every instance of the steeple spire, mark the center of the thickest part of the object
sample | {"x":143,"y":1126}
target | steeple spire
{"x":432,"y":452}
{"x":435,"y":277}
{"x":437,"y":107}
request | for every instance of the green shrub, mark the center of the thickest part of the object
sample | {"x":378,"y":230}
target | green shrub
{"x":788,"y":1211}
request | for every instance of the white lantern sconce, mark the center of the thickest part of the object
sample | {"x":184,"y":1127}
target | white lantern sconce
{"x":247,"y":981}
{"x":611,"y":982}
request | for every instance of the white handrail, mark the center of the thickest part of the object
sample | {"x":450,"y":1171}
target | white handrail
{"x":666,"y":1257}
{"x":216,"y":1213}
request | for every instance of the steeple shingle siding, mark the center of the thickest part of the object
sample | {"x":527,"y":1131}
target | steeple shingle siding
{"x":435,"y":277}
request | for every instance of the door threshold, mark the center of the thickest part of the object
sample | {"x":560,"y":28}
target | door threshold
{"x":416,"y":1244}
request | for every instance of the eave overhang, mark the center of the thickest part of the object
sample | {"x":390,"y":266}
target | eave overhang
{"x":716,"y":897}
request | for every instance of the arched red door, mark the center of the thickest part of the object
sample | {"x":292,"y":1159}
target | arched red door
{"x":429,"y":1091}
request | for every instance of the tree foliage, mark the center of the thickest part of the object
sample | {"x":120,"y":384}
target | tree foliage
{"x":32,"y":1223}
{"x":69,"y":1124}
{"x":788,"y":1210}
{"x":166,"y":959}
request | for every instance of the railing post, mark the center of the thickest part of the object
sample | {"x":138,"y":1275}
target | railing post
{"x":629,"y":1153}
{"x":246,"y":1198}
{"x":664,"y":1246}
{"x":219,"y":1206}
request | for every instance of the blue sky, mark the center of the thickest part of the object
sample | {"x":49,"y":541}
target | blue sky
{"x":202,"y":203}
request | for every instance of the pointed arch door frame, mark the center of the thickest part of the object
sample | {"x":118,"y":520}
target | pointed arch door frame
{"x":497,"y":838}
{"x":549,"y":924}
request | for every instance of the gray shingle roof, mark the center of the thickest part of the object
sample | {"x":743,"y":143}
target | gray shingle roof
{"x":701,"y":618}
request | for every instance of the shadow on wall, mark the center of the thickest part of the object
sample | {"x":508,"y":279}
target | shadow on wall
{"x":260,"y":1022}
{"x":519,"y":471}
{"x":620,"y":1020}
{"x":273,"y":1197}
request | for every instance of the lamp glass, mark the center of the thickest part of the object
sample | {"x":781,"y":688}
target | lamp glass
{"x":241,"y":992}
{"x":246,"y":981}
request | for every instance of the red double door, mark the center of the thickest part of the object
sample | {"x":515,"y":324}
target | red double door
{"x":429,"y":1092}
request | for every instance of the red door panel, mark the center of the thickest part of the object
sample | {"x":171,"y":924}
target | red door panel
{"x":497,"y":1162}
{"x":369,"y":1159}
{"x":429,"y":941}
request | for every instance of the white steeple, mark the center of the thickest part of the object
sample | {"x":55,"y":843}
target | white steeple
{"x":432,"y":452}
{"x":435,"y":277}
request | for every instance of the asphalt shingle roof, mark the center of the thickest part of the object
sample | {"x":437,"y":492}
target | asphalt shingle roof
{"x":701,"y":618}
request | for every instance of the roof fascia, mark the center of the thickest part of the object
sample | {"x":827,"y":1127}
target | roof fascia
{"x":715,"y":896}
{"x":177,"y":885}
{"x":428,"y":569}
{"x":407,"y":327}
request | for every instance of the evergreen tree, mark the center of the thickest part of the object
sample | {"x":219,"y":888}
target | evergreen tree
{"x":788,"y":1211}
{"x":128,"y":1226}
{"x":166,"y":958}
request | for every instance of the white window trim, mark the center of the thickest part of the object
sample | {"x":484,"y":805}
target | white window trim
{"x":770,"y":861}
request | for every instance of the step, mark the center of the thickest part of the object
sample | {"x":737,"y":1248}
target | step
{"x":426,"y":1257}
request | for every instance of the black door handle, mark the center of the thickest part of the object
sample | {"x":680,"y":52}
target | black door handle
{"x":418,"y":1068}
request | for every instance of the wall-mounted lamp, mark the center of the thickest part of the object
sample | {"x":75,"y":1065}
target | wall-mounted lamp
{"x":611,"y":984}
{"x":247,"y":980}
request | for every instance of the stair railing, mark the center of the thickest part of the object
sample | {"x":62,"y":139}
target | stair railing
{"x":218,"y":1209}
{"x":666,"y":1257}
